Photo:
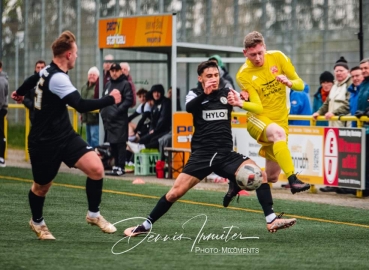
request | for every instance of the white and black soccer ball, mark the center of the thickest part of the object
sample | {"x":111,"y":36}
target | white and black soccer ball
{"x":249,"y":177}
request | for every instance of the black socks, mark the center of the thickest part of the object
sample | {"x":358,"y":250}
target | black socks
{"x":265,"y":198}
{"x":160,"y":209}
{"x":37,"y":204}
{"x":94,"y":192}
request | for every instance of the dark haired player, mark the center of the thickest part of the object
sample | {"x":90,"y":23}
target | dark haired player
{"x":212,"y":148}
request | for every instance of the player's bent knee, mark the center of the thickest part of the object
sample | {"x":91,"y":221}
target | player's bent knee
{"x":40,"y":190}
{"x":175,"y":194}
{"x":96,"y":172}
{"x":276,"y":133}
{"x":91,"y":165}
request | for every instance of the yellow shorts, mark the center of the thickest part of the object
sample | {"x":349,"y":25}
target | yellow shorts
{"x":256,"y":126}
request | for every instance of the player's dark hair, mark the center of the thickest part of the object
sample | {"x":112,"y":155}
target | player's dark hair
{"x":63,"y":43}
{"x":205,"y":65}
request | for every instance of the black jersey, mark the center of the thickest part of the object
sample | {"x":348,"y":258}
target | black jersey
{"x":51,"y":119}
{"x":211,"y":119}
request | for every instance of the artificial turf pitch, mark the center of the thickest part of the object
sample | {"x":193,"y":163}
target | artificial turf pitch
{"x":196,"y":233}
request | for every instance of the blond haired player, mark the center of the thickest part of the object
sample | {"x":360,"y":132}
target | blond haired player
{"x":267,"y":77}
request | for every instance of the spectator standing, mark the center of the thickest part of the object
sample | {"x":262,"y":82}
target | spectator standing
{"x":363,"y":97}
{"x":300,"y":105}
{"x":29,"y":98}
{"x":363,"y":109}
{"x":89,"y":118}
{"x":108,"y":61}
{"x":126,"y":69}
{"x":357,"y":78}
{"x":337,"y":102}
{"x":115,"y":118}
{"x":4,"y":88}
{"x":326,"y":83}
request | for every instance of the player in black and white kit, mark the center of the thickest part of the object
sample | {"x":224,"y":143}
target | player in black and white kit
{"x":52,"y":139}
{"x":211,"y":146}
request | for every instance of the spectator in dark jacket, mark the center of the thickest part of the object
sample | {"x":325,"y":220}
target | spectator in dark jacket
{"x":115,"y":118}
{"x":126,"y":68}
{"x":161,"y":121}
{"x":357,"y":78}
{"x":326,"y":80}
{"x":363,"y":110}
{"x":108,"y":61}
{"x":29,"y":97}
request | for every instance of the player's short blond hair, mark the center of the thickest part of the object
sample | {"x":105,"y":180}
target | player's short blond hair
{"x":252,"y":39}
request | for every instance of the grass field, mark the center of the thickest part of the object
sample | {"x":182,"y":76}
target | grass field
{"x":325,"y":236}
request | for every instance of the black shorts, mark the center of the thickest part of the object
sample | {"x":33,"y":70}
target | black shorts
{"x":225,"y":164}
{"x":47,"y":158}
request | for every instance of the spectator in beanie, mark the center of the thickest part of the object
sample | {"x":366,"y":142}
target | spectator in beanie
{"x":337,"y":102}
{"x":326,"y":82}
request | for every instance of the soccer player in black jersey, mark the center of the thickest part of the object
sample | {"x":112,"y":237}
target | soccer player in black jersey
{"x":52,"y":139}
{"x":212,"y":148}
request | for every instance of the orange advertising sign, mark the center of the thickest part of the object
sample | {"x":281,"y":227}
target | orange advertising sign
{"x":182,"y":130}
{"x":143,"y":31}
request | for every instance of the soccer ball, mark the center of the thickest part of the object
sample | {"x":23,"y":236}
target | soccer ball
{"x":249,"y":177}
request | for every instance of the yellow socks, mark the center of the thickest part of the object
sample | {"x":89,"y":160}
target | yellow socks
{"x":283,"y":156}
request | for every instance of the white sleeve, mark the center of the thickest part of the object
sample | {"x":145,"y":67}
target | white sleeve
{"x":147,"y":107}
{"x":190,"y":96}
{"x":61,"y":85}
{"x":139,"y":109}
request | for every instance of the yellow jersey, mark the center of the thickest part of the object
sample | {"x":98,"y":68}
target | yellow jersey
{"x":273,"y":96}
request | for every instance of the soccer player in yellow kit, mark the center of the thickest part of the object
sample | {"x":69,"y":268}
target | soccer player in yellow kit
{"x":267,"y":77}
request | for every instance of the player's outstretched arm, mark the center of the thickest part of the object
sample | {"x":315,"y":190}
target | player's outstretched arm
{"x":75,"y":100}
{"x":28,"y":84}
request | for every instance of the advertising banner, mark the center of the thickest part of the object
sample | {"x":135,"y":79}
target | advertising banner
{"x":306,"y":148}
{"x":182,"y":130}
{"x":344,"y":157}
{"x":321,"y":155}
{"x":131,"y":32}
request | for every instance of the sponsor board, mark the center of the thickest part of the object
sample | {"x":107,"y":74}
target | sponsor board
{"x":131,"y":32}
{"x":321,"y":155}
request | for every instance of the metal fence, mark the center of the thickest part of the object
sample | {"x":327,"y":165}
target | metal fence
{"x":314,"y":33}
